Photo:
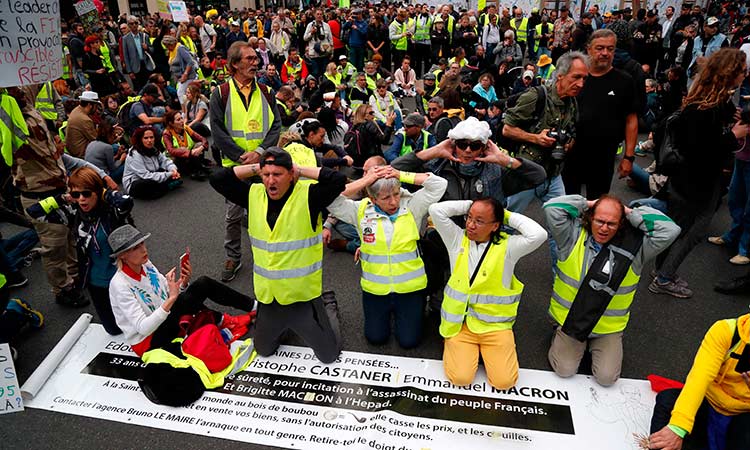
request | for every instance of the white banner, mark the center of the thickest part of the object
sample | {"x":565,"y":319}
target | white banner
{"x":362,"y":401}
{"x":30,"y":48}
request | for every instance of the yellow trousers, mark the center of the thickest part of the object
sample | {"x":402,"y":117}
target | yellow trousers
{"x":461,"y":357}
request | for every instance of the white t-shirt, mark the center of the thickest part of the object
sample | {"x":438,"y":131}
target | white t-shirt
{"x":206,"y":33}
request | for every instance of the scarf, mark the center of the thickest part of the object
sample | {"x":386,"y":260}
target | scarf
{"x":173,"y":53}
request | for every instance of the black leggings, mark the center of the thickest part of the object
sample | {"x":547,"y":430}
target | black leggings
{"x":148,"y":189}
{"x":191,"y":302}
{"x":100,"y":297}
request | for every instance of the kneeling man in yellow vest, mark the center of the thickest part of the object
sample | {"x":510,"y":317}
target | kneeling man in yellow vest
{"x":603,"y":247}
{"x":393,"y":273}
{"x":481,"y":299}
{"x":285,"y":228}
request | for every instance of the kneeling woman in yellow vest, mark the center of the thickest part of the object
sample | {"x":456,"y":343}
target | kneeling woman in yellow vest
{"x":481,"y":299}
{"x":393,"y":274}
{"x":148,"y":306}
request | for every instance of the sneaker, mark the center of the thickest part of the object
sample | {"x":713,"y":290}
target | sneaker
{"x":35,"y":318}
{"x":717,"y":240}
{"x":71,"y":297}
{"x":739,"y":260}
{"x":670,"y":288}
{"x":740,"y":285}
{"x":677,"y":279}
{"x":639,"y":151}
{"x":15,"y":279}
{"x":230,"y":270}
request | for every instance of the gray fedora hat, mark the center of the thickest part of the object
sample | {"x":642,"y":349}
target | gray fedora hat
{"x":124,"y":238}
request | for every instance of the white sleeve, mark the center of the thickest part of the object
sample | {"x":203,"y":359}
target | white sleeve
{"x":451,"y":233}
{"x":345,"y":210}
{"x":432,"y":191}
{"x":531,"y":236}
{"x":128,"y":312}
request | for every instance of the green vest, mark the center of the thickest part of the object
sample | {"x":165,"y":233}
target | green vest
{"x":522,"y":30}
{"x":66,"y":67}
{"x":44,"y":102}
{"x":283,"y":106}
{"x":568,"y":278}
{"x":406,"y":148}
{"x":176,"y":143}
{"x":486,"y":305}
{"x":241,"y":359}
{"x":546,"y":72}
{"x":292,"y":70}
{"x":348,"y":71}
{"x":13,"y":129}
{"x":538,"y":29}
{"x":61,"y":131}
{"x":336,"y":79}
{"x":422,"y":32}
{"x":389,"y":268}
{"x":460,"y":64}
{"x":391,"y":104}
{"x":247,"y":127}
{"x":288,"y":259}
{"x":104,"y":55}
{"x":371,"y":82}
{"x":403,"y":42}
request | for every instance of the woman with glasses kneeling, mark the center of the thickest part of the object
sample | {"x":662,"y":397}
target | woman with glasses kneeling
{"x":149,"y":306}
{"x":481,"y":299}
{"x":393,"y":273}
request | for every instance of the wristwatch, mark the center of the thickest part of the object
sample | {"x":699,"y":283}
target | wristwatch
{"x":511,"y":160}
{"x":630,"y":158}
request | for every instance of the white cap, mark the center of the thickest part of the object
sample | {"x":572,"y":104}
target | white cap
{"x":342,"y":57}
{"x":528,"y":74}
{"x":89,"y":96}
{"x":329,"y":96}
{"x":471,"y":129}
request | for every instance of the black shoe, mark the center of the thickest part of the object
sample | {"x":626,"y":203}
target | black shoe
{"x":15,"y":279}
{"x":199,"y":176}
{"x":740,"y":285}
{"x":72,"y":298}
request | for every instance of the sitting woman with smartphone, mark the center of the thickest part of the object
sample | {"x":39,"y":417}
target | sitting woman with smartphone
{"x":149,"y":307}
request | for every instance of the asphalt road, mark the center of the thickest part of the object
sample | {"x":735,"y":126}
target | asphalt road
{"x":662,"y":336}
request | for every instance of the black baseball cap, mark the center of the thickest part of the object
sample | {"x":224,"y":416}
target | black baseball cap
{"x":277,"y":156}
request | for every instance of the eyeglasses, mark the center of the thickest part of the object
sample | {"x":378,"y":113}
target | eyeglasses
{"x":432,"y":109}
{"x":600,"y":223}
{"x":463,"y":144}
{"x":77,"y":194}
{"x":478,"y":222}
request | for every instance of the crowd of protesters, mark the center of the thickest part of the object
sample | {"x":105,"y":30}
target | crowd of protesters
{"x":352,"y":126}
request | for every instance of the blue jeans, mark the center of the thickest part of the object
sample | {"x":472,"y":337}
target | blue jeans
{"x":15,"y":248}
{"x":408,"y":311}
{"x":350,"y":234}
{"x":652,"y":202}
{"x":551,"y":188}
{"x":739,"y":207}
{"x":357,"y":57}
{"x":398,"y":123}
{"x":640,"y":178}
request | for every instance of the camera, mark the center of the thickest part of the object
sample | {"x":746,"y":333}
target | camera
{"x":561,"y":137}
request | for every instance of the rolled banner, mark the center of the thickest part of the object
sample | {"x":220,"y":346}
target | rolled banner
{"x":36,"y":381}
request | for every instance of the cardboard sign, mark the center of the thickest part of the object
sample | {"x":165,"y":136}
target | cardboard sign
{"x":84,"y":7}
{"x":30,"y":46}
{"x":179,"y":12}
{"x":10,"y":393}
{"x":163,"y":7}
{"x":361,"y":401}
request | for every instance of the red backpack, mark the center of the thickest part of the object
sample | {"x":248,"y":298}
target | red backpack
{"x":207,"y":345}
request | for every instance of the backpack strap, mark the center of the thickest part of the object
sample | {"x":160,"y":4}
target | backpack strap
{"x":736,"y":341}
{"x":541,"y":101}
{"x":224,"y":94}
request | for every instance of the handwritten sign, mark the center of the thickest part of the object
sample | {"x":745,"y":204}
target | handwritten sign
{"x":10,"y":393}
{"x":84,"y":7}
{"x":30,"y":45}
{"x":163,"y":7}
{"x":179,"y":12}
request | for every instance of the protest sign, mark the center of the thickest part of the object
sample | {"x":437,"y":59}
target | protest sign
{"x":361,"y":401}
{"x":179,"y":12}
{"x":163,"y":7}
{"x":84,"y":7}
{"x":30,"y":46}
{"x":10,"y":393}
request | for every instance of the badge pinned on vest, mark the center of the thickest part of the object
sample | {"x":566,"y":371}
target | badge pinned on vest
{"x":253,"y":126}
{"x":368,"y":234}
{"x":479,"y":186}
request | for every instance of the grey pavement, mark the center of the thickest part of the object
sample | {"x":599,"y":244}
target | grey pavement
{"x":662,"y":336}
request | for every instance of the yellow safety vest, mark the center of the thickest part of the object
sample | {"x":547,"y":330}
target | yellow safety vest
{"x":422,"y":32}
{"x":104,"y":55}
{"x":335,"y":79}
{"x":283,"y":106}
{"x":13,"y":129}
{"x":486,"y":304}
{"x":391,"y":104}
{"x":522,"y":30}
{"x":187,"y":42}
{"x":406,"y":148}
{"x":188,"y":139}
{"x":293,"y":70}
{"x":402,"y":42}
{"x":451,"y":23}
{"x":66,"y":67}
{"x":568,"y":278}
{"x":460,"y":64}
{"x":247,"y":127}
{"x":395,"y":268}
{"x":241,"y":359}
{"x":546,"y":72}
{"x":302,"y":155}
{"x":538,"y":28}
{"x":372,"y":82}
{"x":288,"y":260}
{"x":44,"y":103}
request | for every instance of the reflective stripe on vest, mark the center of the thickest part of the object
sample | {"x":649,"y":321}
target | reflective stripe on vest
{"x":243,"y":355}
{"x":522,"y":30}
{"x":13,"y":129}
{"x":389,"y":268}
{"x":568,"y":278}
{"x":288,"y":260}
{"x":44,"y":102}
{"x":406,"y":148}
{"x":486,"y":305}
{"x":247,"y":127}
{"x":538,"y":28}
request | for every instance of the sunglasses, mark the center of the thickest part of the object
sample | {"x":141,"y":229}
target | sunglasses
{"x":432,"y":109}
{"x":77,"y":194}
{"x":371,"y":113}
{"x":465,"y":143}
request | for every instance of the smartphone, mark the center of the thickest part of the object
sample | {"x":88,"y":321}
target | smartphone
{"x":743,"y":364}
{"x":184,"y":258}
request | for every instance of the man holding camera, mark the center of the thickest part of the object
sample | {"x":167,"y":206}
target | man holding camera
{"x":608,"y":113}
{"x":547,"y":133}
{"x":319,"y":44}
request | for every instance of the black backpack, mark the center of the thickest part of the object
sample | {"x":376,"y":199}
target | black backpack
{"x":541,"y":102}
{"x":123,"y":115}
{"x":352,"y":143}
{"x":668,"y":158}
